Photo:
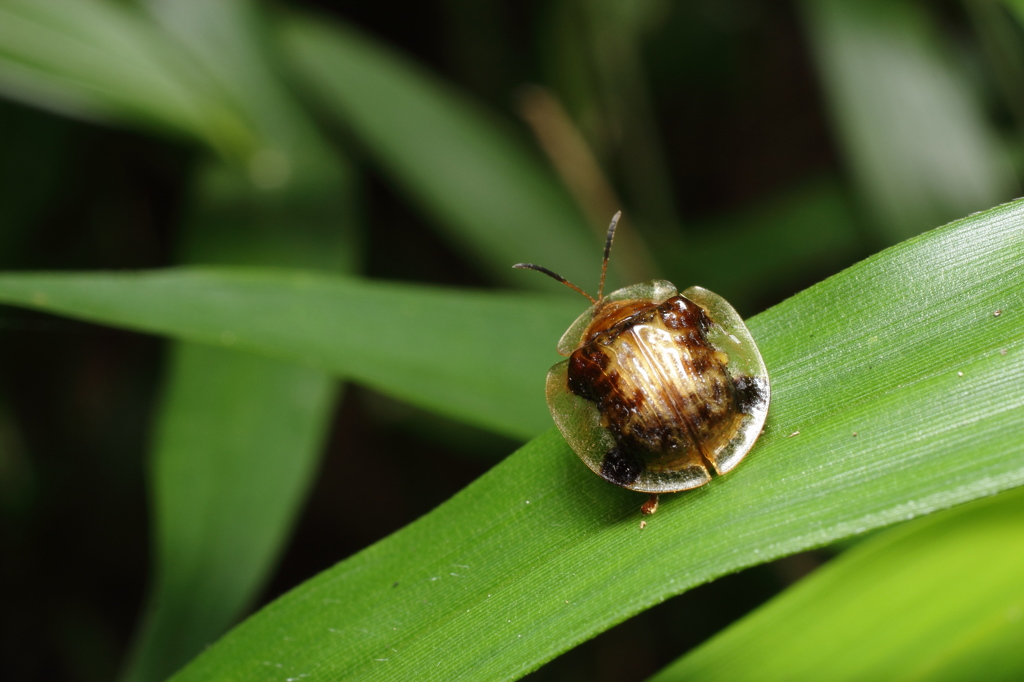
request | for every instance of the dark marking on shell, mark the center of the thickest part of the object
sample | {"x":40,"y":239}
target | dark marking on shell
{"x":703,"y":412}
{"x":612,"y":314}
{"x":680,"y":313}
{"x":620,"y":466}
{"x":618,"y":407}
{"x":716,"y":391}
{"x":586,"y":369}
{"x":750,"y":393}
{"x":702,"y":362}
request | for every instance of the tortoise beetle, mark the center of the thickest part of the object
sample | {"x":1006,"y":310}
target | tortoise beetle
{"x":659,"y":388}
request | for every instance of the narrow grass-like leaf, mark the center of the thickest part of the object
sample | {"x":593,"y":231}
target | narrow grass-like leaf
{"x":238,"y":435}
{"x":936,"y":599}
{"x":228,"y":39}
{"x":102,"y":61}
{"x":896,"y":392}
{"x":892,"y":397}
{"x":235,"y":451}
{"x":914,"y":136}
{"x":497,"y":201}
{"x":475,"y":356}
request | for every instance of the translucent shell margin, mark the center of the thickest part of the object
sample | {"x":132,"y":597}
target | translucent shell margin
{"x":579,"y":420}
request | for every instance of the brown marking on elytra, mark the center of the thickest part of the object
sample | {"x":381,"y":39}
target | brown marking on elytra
{"x":612,"y":313}
{"x":659,"y":418}
{"x":587,"y":367}
{"x":702,"y":363}
{"x":679,"y":313}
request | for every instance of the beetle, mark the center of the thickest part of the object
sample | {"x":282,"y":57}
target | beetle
{"x":660,"y":388}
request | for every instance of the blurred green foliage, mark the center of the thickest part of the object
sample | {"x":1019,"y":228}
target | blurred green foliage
{"x":755,"y":147}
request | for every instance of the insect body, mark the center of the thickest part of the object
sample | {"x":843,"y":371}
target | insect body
{"x":659,"y":388}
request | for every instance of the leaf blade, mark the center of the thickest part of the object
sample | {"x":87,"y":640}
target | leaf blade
{"x":236,"y":448}
{"x":99,"y":61}
{"x":897,"y":606}
{"x":539,"y":531}
{"x":877,"y":350}
{"x":495,"y":200}
{"x":239,"y":436}
{"x":461,"y":353}
{"x":917,"y":143}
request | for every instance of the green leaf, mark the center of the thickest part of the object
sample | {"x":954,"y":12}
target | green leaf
{"x":475,"y":356}
{"x":937,"y":599}
{"x":102,"y":61}
{"x":237,"y":445}
{"x":227,"y":39}
{"x":238,"y":436}
{"x":904,"y":350}
{"x":496,"y":201}
{"x":539,"y":554}
{"x":913,"y":132}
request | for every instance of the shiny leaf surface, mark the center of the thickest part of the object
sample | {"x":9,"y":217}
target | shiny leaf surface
{"x":936,"y":599}
{"x":896,"y":392}
{"x":475,"y":356}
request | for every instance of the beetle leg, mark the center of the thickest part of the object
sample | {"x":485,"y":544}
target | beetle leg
{"x":650,"y":506}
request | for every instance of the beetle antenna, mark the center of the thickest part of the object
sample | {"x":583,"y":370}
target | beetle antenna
{"x":607,"y":252}
{"x":555,"y":276}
